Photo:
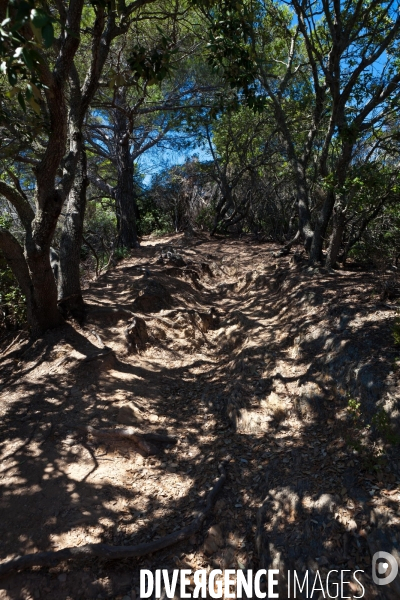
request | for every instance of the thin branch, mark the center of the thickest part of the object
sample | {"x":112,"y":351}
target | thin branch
{"x":19,"y":200}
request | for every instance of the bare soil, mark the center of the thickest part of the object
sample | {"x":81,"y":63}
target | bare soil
{"x":241,"y":355}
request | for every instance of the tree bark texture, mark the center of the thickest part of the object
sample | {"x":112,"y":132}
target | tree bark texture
{"x":125,"y":202}
{"x":31,"y":265}
{"x":339,"y":225}
{"x":69,"y":288}
{"x":70,"y":297}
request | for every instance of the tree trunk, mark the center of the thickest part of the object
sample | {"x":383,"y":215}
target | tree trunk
{"x":125,"y":203}
{"x":32,"y":264}
{"x":320,"y":228}
{"x":303,"y":206}
{"x":43,"y":297}
{"x":226,"y":202}
{"x":42,"y":301}
{"x":70,"y":299}
{"x":339,"y":224}
{"x":327,"y":208}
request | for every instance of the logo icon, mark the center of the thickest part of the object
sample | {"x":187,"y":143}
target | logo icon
{"x":384,"y":563}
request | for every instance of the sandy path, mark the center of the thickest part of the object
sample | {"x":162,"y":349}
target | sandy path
{"x":249,"y":357}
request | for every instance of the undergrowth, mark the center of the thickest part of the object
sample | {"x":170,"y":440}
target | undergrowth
{"x":12,"y":300}
{"x":373,"y":456}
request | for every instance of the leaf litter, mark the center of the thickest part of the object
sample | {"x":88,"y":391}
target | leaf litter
{"x":248,"y":357}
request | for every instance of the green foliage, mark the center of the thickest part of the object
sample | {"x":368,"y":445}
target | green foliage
{"x":152,"y":217}
{"x":205,"y":218}
{"x":5,"y":221}
{"x":12,"y":301}
{"x":175,"y":196}
{"x":153,"y":65}
{"x":230,"y":48}
{"x":20,"y":56}
{"x":380,"y":242}
{"x":354,"y":409}
{"x":240,"y":136}
{"x":100,"y":219}
{"x":121,"y":253}
{"x":100,"y":235}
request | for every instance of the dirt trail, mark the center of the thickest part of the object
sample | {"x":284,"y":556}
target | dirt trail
{"x":240,"y":355}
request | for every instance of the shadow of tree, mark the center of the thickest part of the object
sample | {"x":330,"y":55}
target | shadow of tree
{"x":305,"y":492}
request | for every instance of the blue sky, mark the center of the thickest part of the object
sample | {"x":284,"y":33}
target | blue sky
{"x":160,"y":158}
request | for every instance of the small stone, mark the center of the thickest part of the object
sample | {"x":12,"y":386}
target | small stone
{"x":129,"y":414}
{"x":62,"y":578}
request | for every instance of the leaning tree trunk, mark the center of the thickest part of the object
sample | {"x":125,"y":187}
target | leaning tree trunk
{"x":125,"y":201}
{"x":339,"y":225}
{"x":326,"y":211}
{"x":303,"y":208}
{"x":225,"y":204}
{"x":70,"y":298}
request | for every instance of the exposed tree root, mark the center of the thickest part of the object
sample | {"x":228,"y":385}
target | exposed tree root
{"x":287,"y":247}
{"x":145,"y":441}
{"x":51,"y":558}
{"x":98,"y":338}
{"x":13,"y":342}
{"x":105,"y":352}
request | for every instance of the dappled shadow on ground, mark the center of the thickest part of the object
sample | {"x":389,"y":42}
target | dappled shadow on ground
{"x":268,"y":388}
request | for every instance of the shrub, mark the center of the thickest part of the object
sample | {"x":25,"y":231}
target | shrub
{"x":12,"y":300}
